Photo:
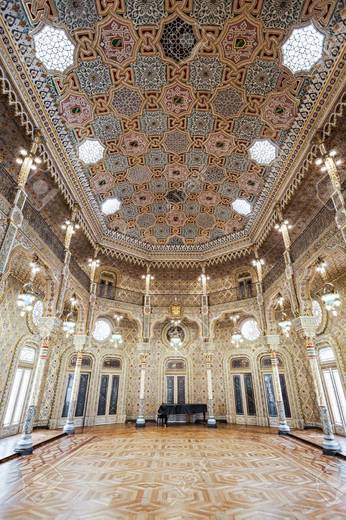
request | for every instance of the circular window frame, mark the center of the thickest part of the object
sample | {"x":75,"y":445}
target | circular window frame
{"x":241,"y":325}
{"x":32,"y":326}
{"x":324,"y":315}
{"x":108,"y":337}
{"x":165,"y":338}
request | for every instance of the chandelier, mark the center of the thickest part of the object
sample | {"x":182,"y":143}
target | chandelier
{"x":285,"y":323}
{"x":331,"y":298}
{"x":28,"y":295}
{"x":329,"y":295}
{"x":175,"y":338}
{"x":70,"y":321}
{"x":236,"y":338}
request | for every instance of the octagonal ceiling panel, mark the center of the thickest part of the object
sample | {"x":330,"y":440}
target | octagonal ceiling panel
{"x":176,"y":97}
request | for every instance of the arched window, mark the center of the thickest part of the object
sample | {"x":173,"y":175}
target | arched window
{"x":267,"y":378}
{"x":109,"y":390}
{"x":333,"y":387}
{"x":20,"y":386}
{"x":244,"y":397}
{"x":245,"y":286}
{"x":83,"y":385}
{"x":175,"y":381}
{"x":107,"y":284}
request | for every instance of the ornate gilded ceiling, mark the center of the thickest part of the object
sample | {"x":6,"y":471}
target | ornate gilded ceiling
{"x":176,"y":92}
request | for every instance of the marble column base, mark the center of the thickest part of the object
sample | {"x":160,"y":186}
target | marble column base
{"x":284,"y":429}
{"x":24,"y":445}
{"x":140,"y":422}
{"x":69,"y":428}
{"x":330,"y":447}
{"x":211,"y":422}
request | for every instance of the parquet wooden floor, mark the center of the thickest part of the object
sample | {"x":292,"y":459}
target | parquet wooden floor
{"x":186,"y":472}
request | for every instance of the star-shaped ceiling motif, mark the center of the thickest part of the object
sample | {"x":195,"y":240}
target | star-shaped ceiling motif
{"x":177,"y":98}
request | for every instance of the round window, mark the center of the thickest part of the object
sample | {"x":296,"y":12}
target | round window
{"x":250,"y":330}
{"x":102,"y":330}
{"x":37,"y":312}
{"x":317,"y":312}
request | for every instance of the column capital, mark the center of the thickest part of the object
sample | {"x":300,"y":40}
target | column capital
{"x":208,"y":356}
{"x":80,"y":341}
{"x":143,"y":359}
{"x":48,"y":325}
{"x":272,"y":341}
{"x":305,"y":326}
{"x":143,"y":346}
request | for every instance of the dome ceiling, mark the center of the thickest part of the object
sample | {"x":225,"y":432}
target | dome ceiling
{"x":161,"y":105}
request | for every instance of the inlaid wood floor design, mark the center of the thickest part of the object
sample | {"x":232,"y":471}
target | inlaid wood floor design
{"x":185,"y":472}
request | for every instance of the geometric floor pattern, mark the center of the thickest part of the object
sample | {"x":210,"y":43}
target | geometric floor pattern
{"x":185,"y":472}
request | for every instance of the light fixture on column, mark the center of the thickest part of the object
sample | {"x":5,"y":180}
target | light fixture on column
{"x":117,"y":337}
{"x":236,"y":338}
{"x":175,"y":339}
{"x":23,"y":153}
{"x":70,"y":317}
{"x":285,"y":323}
{"x":329,"y":163}
{"x":329,"y":295}
{"x":280,"y":227}
{"x":71,"y":226}
{"x":28,"y":296}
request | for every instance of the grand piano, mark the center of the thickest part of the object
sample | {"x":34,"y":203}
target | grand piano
{"x":180,"y":409}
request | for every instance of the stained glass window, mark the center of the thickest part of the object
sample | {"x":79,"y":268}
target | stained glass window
{"x":53,"y":48}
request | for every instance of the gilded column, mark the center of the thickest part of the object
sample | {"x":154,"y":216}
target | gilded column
{"x":71,"y":227}
{"x":273,"y":341}
{"x":207,"y":347}
{"x":306,"y":328}
{"x":143,"y":349}
{"x":329,"y":164}
{"x":80,"y":341}
{"x":284,"y":227}
{"x":140,"y":421}
{"x":209,"y":366}
{"x":47,"y":327}
{"x":16,"y":214}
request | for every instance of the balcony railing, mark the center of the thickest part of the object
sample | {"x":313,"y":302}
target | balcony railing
{"x":118,"y":294}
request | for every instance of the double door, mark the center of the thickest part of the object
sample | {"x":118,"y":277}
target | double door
{"x":176,"y":389}
{"x":244,"y":398}
{"x":82,"y":396}
{"x":108,"y":399}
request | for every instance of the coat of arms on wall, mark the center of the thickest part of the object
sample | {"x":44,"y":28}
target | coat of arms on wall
{"x":176,"y":310}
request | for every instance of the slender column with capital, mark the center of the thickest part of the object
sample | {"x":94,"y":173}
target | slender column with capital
{"x":24,"y":445}
{"x":284,"y":227}
{"x":80,"y":341}
{"x":209,"y":364}
{"x":208,"y":347}
{"x":144,"y":347}
{"x":306,"y":328}
{"x":273,"y":341}
{"x":71,"y":227}
{"x":16,"y":214}
{"x":329,"y":164}
{"x":140,"y":421}
{"x":258,"y":263}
